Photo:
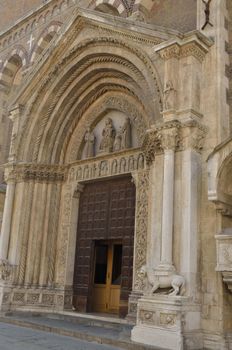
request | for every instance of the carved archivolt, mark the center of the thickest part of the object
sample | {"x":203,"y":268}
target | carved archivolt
{"x":141,"y":76}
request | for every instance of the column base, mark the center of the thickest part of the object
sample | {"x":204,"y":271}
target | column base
{"x":163,"y":320}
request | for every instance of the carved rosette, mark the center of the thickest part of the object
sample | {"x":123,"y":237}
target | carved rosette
{"x":141,"y":179}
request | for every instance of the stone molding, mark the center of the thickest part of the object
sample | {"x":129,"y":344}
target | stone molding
{"x":194,"y":47}
{"x":34,"y":172}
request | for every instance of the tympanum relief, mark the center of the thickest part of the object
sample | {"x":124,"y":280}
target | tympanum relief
{"x":113,"y":133}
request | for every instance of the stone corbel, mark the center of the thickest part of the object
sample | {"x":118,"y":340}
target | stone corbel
{"x":78,"y":190}
{"x":224,"y":256}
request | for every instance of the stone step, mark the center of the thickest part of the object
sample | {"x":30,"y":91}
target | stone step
{"x":98,"y":320}
{"x":91,"y":329}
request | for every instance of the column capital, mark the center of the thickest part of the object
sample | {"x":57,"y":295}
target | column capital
{"x":160,"y":138}
{"x":193,"y":136}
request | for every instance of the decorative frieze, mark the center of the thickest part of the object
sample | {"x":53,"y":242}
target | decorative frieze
{"x":34,"y":172}
{"x":180,"y":50}
{"x":102,"y":167}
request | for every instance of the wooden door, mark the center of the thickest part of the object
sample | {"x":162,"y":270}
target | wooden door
{"x":106,"y":213}
{"x":107,"y":277}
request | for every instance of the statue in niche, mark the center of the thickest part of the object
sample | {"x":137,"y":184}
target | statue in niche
{"x":108,"y":137}
{"x":169,"y":95}
{"x":89,"y":144}
{"x":126,"y":134}
{"x":118,"y":140}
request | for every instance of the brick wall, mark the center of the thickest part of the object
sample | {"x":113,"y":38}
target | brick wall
{"x":11,"y":10}
{"x":176,"y":14}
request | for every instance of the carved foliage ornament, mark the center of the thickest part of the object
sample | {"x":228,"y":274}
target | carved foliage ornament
{"x":174,"y":136}
{"x":6,"y":270}
{"x":177,"y":51}
{"x":142,"y":188}
{"x":35,"y":172}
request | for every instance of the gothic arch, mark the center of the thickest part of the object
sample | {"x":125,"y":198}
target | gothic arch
{"x":90,"y":71}
{"x":44,"y":39}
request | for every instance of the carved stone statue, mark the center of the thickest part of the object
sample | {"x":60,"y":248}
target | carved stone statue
{"x":126,"y":134}
{"x":169,"y":94}
{"x":118,"y":140}
{"x":89,"y":144}
{"x":173,"y":281}
{"x":108,"y":137}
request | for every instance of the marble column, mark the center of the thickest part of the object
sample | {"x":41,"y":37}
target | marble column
{"x":168,"y":142}
{"x":6,"y":222}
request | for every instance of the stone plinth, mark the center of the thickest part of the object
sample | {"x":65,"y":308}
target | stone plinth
{"x":162,"y":320}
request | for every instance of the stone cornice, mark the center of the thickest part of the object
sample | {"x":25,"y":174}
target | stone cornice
{"x":22,"y":172}
{"x":194,"y":46}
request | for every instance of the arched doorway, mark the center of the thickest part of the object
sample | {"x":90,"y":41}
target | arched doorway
{"x":104,"y":247}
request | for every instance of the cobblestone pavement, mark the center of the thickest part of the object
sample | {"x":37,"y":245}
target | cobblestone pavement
{"x":19,"y":338}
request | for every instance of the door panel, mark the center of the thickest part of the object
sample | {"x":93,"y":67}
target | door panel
{"x":107,"y":277}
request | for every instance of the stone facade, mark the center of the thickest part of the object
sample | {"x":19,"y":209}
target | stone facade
{"x":92,"y":90}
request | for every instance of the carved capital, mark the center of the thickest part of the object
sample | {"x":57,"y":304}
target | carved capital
{"x":169,"y":138}
{"x":36,"y":172}
{"x":193,"y":136}
{"x":160,"y":138}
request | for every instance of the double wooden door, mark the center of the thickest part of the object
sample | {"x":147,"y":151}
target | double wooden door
{"x":106,"y":225}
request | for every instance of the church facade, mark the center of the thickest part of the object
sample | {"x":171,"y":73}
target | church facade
{"x":116,"y":160}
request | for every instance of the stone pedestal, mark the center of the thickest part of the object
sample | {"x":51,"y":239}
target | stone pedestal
{"x":164,"y":320}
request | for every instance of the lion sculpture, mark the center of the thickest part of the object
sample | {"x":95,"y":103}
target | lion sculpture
{"x":176,"y":282}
